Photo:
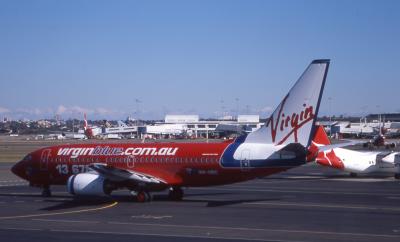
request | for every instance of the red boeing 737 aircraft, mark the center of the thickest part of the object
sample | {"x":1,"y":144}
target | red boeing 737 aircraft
{"x":99,"y":169}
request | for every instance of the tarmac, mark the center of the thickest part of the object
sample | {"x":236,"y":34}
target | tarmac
{"x":309,"y":203}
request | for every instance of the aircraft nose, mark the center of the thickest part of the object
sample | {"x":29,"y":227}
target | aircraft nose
{"x":19,"y":169}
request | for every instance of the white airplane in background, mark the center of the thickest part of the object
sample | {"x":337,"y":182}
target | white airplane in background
{"x":355,"y":162}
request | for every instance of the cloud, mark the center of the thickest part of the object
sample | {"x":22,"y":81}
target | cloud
{"x":61,"y":110}
{"x":78,"y":111}
{"x":33,"y":111}
{"x":65,"y":111}
{"x":4,"y":110}
{"x":104,"y":111}
{"x":81,"y":110}
{"x":74,"y":110}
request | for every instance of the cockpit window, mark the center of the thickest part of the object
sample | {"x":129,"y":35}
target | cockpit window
{"x":28,"y":157}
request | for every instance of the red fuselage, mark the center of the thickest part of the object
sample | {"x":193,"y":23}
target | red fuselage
{"x":178,"y":164}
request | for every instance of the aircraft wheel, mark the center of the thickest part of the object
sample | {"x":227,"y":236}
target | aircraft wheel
{"x":46,"y":192}
{"x":397,"y":176}
{"x":149,"y":197}
{"x":175,"y":194}
{"x":143,"y":196}
{"x":352,"y":174}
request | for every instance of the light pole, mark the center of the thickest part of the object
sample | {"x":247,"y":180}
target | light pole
{"x":247,"y":109}
{"x":379,"y":118}
{"x":237,"y":108}
{"x":222,"y":108}
{"x":137,"y":101}
{"x":330,"y":116}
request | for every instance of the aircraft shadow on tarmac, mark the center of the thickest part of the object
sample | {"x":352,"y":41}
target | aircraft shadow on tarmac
{"x":75,"y":203}
{"x":59,"y":203}
{"x":30,"y":195}
{"x":233,"y":202}
{"x":303,"y":177}
{"x":211,"y":202}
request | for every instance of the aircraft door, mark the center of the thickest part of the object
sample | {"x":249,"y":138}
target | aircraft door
{"x":130,"y":161}
{"x":44,"y":160}
{"x":244,"y":160}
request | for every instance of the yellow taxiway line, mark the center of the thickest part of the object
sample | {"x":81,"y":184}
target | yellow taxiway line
{"x":60,"y":213}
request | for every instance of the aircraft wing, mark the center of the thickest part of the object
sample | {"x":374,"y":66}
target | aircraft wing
{"x":339,"y":145}
{"x":118,"y":174}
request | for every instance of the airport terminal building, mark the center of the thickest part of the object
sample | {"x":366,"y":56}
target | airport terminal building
{"x":193,"y":126}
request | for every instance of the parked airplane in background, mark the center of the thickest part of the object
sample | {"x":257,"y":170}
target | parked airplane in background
{"x":355,"y":162}
{"x":91,"y":132}
{"x":98,"y":169}
{"x":95,"y":132}
{"x":63,"y":135}
{"x":379,"y":140}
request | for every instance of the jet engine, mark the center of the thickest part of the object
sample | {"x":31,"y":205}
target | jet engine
{"x":87,"y":184}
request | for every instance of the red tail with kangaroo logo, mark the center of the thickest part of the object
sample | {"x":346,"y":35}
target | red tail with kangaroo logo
{"x":320,"y":138}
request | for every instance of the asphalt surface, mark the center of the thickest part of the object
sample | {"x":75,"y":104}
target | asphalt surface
{"x":305,"y":204}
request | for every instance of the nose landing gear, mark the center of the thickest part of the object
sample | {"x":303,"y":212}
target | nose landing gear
{"x":175,"y":193}
{"x":46,"y":192}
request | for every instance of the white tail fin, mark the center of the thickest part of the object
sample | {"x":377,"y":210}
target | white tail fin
{"x":85,"y":124}
{"x":121,"y":124}
{"x":293,"y":120}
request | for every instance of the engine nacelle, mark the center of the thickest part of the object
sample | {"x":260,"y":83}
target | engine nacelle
{"x":87,"y":184}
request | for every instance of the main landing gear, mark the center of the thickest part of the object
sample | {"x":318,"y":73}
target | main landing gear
{"x":46,"y":192}
{"x":352,"y":174}
{"x":175,"y":193}
{"x":143,"y":196}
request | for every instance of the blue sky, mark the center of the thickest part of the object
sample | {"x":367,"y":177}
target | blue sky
{"x":193,"y":57}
